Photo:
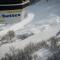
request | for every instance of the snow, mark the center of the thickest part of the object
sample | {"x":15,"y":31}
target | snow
{"x":43,"y":35}
{"x":43,"y":54}
{"x":47,"y":10}
{"x":44,"y":28}
{"x":19,"y":25}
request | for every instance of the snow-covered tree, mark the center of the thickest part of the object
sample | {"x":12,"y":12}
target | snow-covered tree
{"x":11,"y":34}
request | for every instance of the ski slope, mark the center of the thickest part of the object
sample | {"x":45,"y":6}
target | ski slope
{"x":19,"y":25}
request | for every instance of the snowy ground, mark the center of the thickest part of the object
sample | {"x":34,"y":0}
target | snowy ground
{"x":45,"y":11}
{"x":18,"y":25}
{"x":45,"y":24}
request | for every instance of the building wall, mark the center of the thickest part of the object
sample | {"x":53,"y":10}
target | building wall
{"x":12,"y":16}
